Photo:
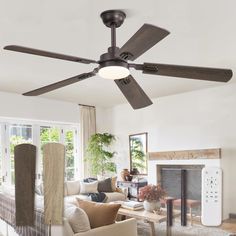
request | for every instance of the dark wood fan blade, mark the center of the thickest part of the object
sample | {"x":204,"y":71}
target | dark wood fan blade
{"x":48,"y":54}
{"x":133,"y":92}
{"x":60,"y":84}
{"x":189,"y":72}
{"x":145,"y":38}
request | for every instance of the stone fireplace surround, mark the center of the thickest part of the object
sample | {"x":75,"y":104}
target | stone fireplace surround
{"x":204,"y":157}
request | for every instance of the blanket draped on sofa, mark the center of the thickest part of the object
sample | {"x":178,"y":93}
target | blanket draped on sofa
{"x":98,"y":197}
{"x":7,"y":214}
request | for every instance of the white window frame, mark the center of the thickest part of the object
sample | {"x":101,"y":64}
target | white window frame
{"x":5,"y":144}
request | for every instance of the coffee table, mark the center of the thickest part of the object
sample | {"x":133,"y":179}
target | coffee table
{"x":147,"y":217}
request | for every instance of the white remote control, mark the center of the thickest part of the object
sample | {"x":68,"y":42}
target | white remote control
{"x":211,"y":196}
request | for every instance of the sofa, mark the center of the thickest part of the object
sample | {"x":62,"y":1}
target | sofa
{"x":75,"y":190}
{"x":125,"y":228}
{"x":72,"y":190}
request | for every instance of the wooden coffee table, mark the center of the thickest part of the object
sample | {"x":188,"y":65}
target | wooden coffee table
{"x":147,"y":217}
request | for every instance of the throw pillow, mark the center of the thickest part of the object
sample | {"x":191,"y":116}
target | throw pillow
{"x":99,"y":214}
{"x":78,"y":219}
{"x":105,"y":185}
{"x":73,"y":187}
{"x":86,"y":188}
{"x":113,"y":183}
{"x":90,"y":179}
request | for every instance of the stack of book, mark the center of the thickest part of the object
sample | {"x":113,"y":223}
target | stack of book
{"x":132,"y":205}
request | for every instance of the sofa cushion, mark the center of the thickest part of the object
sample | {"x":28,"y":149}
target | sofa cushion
{"x":115,"y":196}
{"x":105,"y":185}
{"x":72,"y":187}
{"x":39,"y":189}
{"x":86,"y":188}
{"x":99,"y":214}
{"x":72,"y":198}
{"x":78,"y":219}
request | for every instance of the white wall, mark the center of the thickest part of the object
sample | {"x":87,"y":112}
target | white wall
{"x":194,"y":120}
{"x":18,"y":106}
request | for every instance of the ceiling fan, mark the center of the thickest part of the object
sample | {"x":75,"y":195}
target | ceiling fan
{"x":114,"y":63}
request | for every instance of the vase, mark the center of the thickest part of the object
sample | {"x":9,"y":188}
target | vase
{"x":151,"y":205}
{"x":134,"y":171}
{"x":124,"y":173}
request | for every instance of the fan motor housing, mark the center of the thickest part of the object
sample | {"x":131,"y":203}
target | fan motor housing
{"x":113,"y":63}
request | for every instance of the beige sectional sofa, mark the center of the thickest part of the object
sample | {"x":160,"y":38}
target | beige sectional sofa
{"x":73,"y":191}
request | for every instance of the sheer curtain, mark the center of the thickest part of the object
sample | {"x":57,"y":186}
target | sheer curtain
{"x":87,"y":128}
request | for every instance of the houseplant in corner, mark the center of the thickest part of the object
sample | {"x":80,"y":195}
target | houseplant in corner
{"x":151,"y":195}
{"x":99,"y":156}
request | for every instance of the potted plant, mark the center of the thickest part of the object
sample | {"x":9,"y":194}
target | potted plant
{"x":99,"y":156}
{"x":151,"y":195}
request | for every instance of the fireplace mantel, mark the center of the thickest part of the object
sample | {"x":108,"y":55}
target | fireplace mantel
{"x":213,"y":153}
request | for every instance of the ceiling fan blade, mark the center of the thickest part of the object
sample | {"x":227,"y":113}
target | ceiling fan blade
{"x":133,"y":92}
{"x":48,"y":54}
{"x":189,"y":72}
{"x":60,"y":84}
{"x":145,"y":38}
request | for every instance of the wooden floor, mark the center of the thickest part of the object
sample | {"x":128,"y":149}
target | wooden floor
{"x":229,"y":225}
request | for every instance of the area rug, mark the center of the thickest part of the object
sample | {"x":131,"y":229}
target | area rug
{"x":177,"y":230}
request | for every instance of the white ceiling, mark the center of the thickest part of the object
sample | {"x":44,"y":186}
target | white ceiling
{"x":202,"y":34}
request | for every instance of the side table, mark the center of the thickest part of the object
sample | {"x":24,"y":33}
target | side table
{"x":133,"y":188}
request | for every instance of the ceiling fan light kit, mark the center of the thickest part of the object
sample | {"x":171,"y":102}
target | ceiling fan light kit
{"x":114,"y":64}
{"x":113,"y":72}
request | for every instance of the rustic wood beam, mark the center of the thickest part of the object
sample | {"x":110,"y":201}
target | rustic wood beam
{"x":213,"y":153}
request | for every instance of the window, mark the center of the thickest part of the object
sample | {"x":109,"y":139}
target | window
{"x":69,"y":141}
{"x":18,"y":134}
{"x":48,"y":135}
{"x":66,"y":137}
{"x":14,"y":133}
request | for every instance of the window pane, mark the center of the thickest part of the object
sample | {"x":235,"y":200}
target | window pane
{"x":48,"y":135}
{"x":0,"y":159}
{"x":18,"y":134}
{"x":70,"y":173}
{"x":70,"y":157}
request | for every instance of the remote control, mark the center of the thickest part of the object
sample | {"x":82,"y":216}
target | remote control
{"x":211,"y":196}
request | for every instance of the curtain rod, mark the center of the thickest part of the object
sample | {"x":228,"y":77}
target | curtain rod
{"x":86,"y":105}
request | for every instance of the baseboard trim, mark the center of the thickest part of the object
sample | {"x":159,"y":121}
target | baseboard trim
{"x":232,"y":215}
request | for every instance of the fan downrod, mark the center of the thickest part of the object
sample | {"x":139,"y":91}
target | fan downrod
{"x":113,"y":18}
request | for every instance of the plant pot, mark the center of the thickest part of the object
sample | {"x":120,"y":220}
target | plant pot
{"x":151,"y":205}
{"x":124,"y":173}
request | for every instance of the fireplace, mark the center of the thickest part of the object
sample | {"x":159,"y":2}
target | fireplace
{"x":165,"y":168}
{"x":169,"y":176}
